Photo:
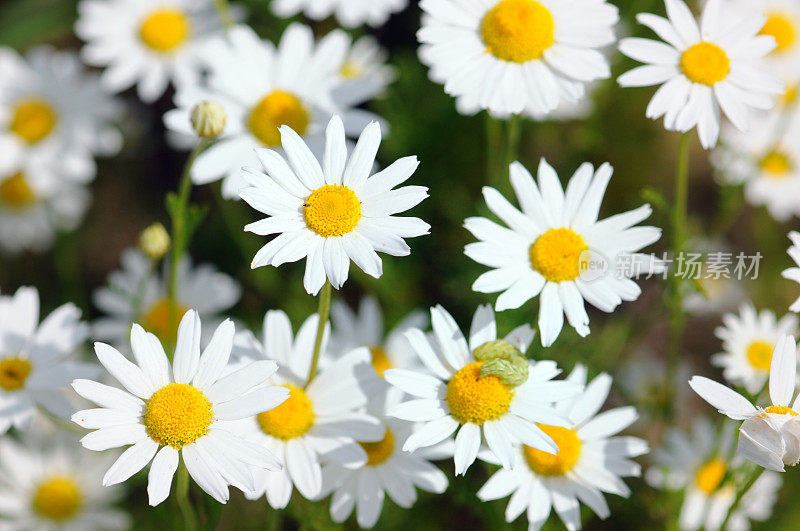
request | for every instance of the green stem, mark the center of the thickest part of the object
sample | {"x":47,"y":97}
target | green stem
{"x":67,"y":260}
{"x":741,"y":492}
{"x":182,"y":497}
{"x":513,"y":134}
{"x":322,"y":312}
{"x":494,"y":141}
{"x":224,"y":13}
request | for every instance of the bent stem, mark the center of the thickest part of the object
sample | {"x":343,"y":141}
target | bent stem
{"x":322,"y":312}
{"x":224,"y":13}
{"x":740,"y":494}
{"x":182,"y":497}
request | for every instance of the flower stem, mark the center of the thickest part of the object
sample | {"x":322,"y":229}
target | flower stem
{"x":322,"y":312}
{"x":513,"y":134}
{"x":494,"y":145}
{"x":224,"y":13}
{"x":740,"y":494}
{"x":182,"y":497}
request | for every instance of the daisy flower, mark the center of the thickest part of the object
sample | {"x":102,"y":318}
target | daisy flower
{"x":516,"y":56}
{"x":137,"y":293}
{"x":755,"y":505}
{"x":748,"y":340}
{"x":363,"y":73}
{"x":769,"y":437}
{"x":703,"y":68}
{"x":589,"y":462}
{"x":456,"y":393}
{"x":793,"y":273}
{"x":48,"y":482}
{"x":334,"y":213}
{"x":148,"y":43}
{"x":348,"y":13}
{"x":35,"y":371}
{"x":550,"y":245}
{"x":321,"y":420}
{"x":179,"y":411}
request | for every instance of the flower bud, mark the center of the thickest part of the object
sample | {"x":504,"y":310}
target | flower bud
{"x":154,"y":241}
{"x":208,"y":119}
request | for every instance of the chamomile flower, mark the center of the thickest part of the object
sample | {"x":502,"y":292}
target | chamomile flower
{"x":363,"y":73}
{"x":499,"y":404}
{"x":516,"y":56}
{"x":748,"y":340}
{"x":769,"y":437}
{"x":321,"y":420}
{"x":755,"y":505}
{"x":138,"y":293}
{"x":548,"y":246}
{"x":148,"y":43}
{"x":793,"y":273}
{"x":35,"y":369}
{"x":703,"y":69}
{"x":591,"y":460}
{"x":349,"y":13}
{"x":179,"y":411}
{"x":334,"y":213}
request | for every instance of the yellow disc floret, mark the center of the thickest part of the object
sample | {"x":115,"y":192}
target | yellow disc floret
{"x":779,"y":410}
{"x":14,"y":372}
{"x":58,"y":498}
{"x":518,"y":30}
{"x":710,"y":475}
{"x":291,"y":419}
{"x":274,"y":110}
{"x":332,"y":210}
{"x":165,"y":29}
{"x":705,"y":63}
{"x":16,"y":193}
{"x":475,"y":398}
{"x":556,"y":254}
{"x":380,"y":360}
{"x":32,"y":119}
{"x":782,"y":27}
{"x":160,"y":321}
{"x":177,"y":415}
{"x":776,"y":164}
{"x":351,"y":70}
{"x":379,"y":452}
{"x":759,"y":354}
{"x":569,"y":449}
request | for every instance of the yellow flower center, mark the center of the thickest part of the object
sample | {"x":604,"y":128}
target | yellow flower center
{"x":776,"y":164}
{"x":379,"y":359}
{"x":782,"y":27}
{"x":518,"y":30}
{"x":165,"y":29}
{"x":378,"y":452}
{"x":57,"y":499}
{"x":475,"y":399}
{"x":15,"y":192}
{"x":177,"y":415}
{"x":705,"y":63}
{"x":13,"y":373}
{"x":32,"y":119}
{"x":569,"y":449}
{"x":556,"y":254}
{"x":710,"y":475}
{"x":291,"y":419}
{"x":157,"y":319}
{"x":779,"y":410}
{"x":274,"y":110}
{"x":790,"y":94}
{"x":332,"y":210}
{"x":351,"y":70}
{"x":759,"y":354}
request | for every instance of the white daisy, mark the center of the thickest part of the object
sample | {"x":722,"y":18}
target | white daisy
{"x":703,"y":69}
{"x":146,"y":42}
{"x":321,"y":420}
{"x":769,"y":437}
{"x":178,"y":410}
{"x":34,"y":367}
{"x":591,"y":460}
{"x":756,"y":504}
{"x":550,"y":244}
{"x":793,"y":273}
{"x":333,"y":213}
{"x":455,"y":394}
{"x":516,"y":56}
{"x":348,"y":13}
{"x":137,"y":293}
{"x":363,"y":73}
{"x":748,"y":340}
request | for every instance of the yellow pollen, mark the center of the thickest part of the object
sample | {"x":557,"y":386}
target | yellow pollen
{"x":13,"y":373}
{"x":379,"y":452}
{"x":177,"y":415}
{"x":32,"y":119}
{"x":165,"y":29}
{"x":15,"y":192}
{"x":57,"y":499}
{"x":569,"y":449}
{"x":351,"y":70}
{"x":705,"y":63}
{"x":475,"y":399}
{"x":332,"y":210}
{"x":379,"y":359}
{"x":710,"y":475}
{"x":759,"y":354}
{"x":157,"y":319}
{"x":274,"y":110}
{"x":782,"y":27}
{"x":556,"y":254}
{"x":778,"y":410}
{"x":518,"y":30}
{"x":775,"y":163}
{"x":790,"y":95}
{"x":291,"y":419}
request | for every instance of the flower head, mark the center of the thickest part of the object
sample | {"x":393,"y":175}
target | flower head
{"x":793,"y":273}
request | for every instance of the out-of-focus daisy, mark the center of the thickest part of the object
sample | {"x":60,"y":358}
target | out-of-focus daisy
{"x":714,"y":293}
{"x":769,"y":437}
{"x":179,"y":411}
{"x":349,"y":13}
{"x":591,"y":460}
{"x":320,"y":421}
{"x":640,"y":380}
{"x":137,"y":293}
{"x":363,"y":73}
{"x":516,"y":56}
{"x":793,"y":273}
{"x":463,"y":390}
{"x":34,"y":367}
{"x":756,"y":504}
{"x":748,"y":340}
{"x":333,"y":213}
{"x":146,"y":42}
{"x":549,"y":245}
{"x":703,"y":69}
{"x":48,"y":482}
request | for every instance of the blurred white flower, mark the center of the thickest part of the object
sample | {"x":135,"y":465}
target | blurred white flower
{"x":363,"y":73}
{"x":348,"y":13}
{"x":793,"y":273}
{"x":756,"y":504}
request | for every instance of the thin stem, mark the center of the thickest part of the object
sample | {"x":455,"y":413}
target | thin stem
{"x":322,"y":312}
{"x":513,"y":134}
{"x":224,"y":13}
{"x":494,"y":141}
{"x":182,"y":497}
{"x":740,"y":493}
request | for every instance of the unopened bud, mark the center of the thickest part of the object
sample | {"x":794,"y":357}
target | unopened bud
{"x":208,"y":119}
{"x":504,"y":360}
{"x":154,"y":241}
